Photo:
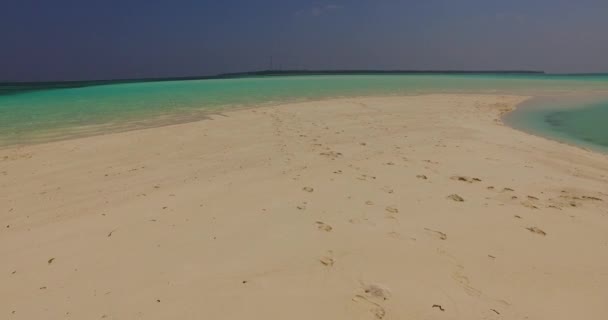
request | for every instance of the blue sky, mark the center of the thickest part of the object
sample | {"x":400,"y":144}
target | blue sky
{"x":72,"y":40}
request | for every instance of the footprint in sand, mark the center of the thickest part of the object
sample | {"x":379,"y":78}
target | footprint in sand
{"x":323,"y":226}
{"x":591,"y":198}
{"x":17,"y":157}
{"x":308,"y":189}
{"x":328,"y":259}
{"x":373,"y":295}
{"x":465,"y":283}
{"x":438,"y":234}
{"x":567,"y":199}
{"x":456,"y":198}
{"x":388,"y":189}
{"x":392,"y":210}
{"x":365,"y":177}
{"x":331,"y":155}
{"x":528,"y":204}
{"x":430,"y":161}
{"x":377,"y":291}
{"x":537,"y":231}
{"x":421,"y":176}
{"x":465,"y":179}
{"x":394,"y":235}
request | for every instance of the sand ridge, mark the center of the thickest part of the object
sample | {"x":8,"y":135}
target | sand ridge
{"x":417,"y":207}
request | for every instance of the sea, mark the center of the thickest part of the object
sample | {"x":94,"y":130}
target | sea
{"x":569,"y":108}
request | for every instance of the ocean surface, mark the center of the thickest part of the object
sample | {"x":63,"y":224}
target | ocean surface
{"x":569,"y":108}
{"x":581,"y":120}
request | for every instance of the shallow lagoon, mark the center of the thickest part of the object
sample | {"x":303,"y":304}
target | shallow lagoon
{"x":32,"y":114}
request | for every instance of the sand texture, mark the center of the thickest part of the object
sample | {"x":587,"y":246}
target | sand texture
{"x":420,"y":207}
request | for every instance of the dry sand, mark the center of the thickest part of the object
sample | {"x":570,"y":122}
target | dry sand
{"x":423,"y":207}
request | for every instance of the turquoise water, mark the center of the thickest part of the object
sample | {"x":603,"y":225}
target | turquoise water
{"x":43,"y":113}
{"x":581,"y":120}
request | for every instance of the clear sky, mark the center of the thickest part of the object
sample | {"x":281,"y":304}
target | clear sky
{"x":105,"y":39}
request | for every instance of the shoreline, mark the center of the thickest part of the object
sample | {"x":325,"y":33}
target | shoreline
{"x":200,"y":115}
{"x":365,"y":208}
{"x":125,"y":106}
{"x":205,"y":115}
{"x":546,"y":137}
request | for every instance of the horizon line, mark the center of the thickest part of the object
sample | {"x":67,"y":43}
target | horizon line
{"x":296,"y":72}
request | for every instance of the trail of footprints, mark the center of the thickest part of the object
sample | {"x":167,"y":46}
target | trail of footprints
{"x":373,"y":296}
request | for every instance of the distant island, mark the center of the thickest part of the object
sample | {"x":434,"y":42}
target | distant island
{"x":369,"y":72}
{"x":7,"y":88}
{"x":279,"y":73}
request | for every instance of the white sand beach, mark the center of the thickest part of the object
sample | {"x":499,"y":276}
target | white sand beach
{"x":417,"y":207}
